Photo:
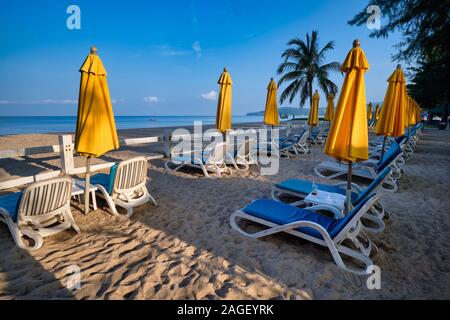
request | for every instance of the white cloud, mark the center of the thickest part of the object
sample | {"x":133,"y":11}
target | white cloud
{"x":52,"y":101}
{"x":197,"y":48}
{"x":169,"y":51}
{"x":151,"y":99}
{"x":212,"y":95}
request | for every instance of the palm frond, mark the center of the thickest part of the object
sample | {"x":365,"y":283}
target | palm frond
{"x":332,"y":66}
{"x":304,"y":94}
{"x":303,"y":65}
{"x":293,"y":75}
{"x":289,"y":90}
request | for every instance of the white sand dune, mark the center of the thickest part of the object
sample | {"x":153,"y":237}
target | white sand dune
{"x":185,"y":248}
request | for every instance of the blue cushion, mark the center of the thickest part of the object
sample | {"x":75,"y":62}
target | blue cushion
{"x":371,"y":187}
{"x":339,"y":224}
{"x":101,"y":179}
{"x":11,"y":202}
{"x":285,"y":145}
{"x":305,"y":187}
{"x":393,"y":151}
{"x":112,"y":177}
{"x":104,"y":179}
{"x":281,"y":214}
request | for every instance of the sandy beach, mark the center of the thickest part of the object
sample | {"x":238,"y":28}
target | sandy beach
{"x":186,"y":249}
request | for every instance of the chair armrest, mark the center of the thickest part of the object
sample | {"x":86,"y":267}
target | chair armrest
{"x":344,"y":184}
{"x":336,"y":212}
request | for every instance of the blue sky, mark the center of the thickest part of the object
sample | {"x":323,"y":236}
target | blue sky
{"x":165,"y":57}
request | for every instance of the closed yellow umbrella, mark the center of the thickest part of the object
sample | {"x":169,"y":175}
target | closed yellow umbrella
{"x":418,"y":114}
{"x":348,"y":137}
{"x":96,"y":129}
{"x":369,"y":111}
{"x":313,"y":118}
{"x":223,"y":116}
{"x":271,"y":111}
{"x":392,"y":115}
{"x":411,"y":112}
{"x":377,"y":112}
{"x":407,"y":112}
{"x":329,"y":113}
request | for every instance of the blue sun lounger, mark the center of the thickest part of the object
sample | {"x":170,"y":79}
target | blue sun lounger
{"x":301,"y":188}
{"x":312,"y":226}
{"x":366,"y":170}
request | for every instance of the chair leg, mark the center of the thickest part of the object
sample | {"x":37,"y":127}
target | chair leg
{"x":129,"y":211}
{"x":109,"y":201}
{"x":68,"y":216}
{"x":37,"y":238}
{"x":94,"y":200}
{"x":152,"y":200}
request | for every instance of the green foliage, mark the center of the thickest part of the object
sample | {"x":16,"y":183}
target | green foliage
{"x":424,"y":25}
{"x":302,"y":65}
{"x":425,"y":29}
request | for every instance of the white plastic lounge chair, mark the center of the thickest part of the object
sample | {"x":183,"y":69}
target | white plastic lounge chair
{"x":287,"y":149}
{"x":302,"y":145}
{"x":318,"y":138}
{"x":125,"y":185}
{"x":245,"y":156}
{"x":214,"y":161}
{"x":312,"y":226}
{"x":41,"y":210}
{"x":368,"y":170}
{"x":300,"y":188}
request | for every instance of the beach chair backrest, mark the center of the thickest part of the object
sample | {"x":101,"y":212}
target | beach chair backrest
{"x":371,"y":188}
{"x":321,"y":131}
{"x":245,"y":149}
{"x":393,"y":152}
{"x":341,"y":226}
{"x":130,"y":174}
{"x":218,"y":154}
{"x":304,"y":138}
{"x":44,"y":198}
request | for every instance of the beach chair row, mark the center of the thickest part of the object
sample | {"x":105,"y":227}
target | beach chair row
{"x":345,"y":235}
{"x":219,"y":160}
{"x":43,"y":208}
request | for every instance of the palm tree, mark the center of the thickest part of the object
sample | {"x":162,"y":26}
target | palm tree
{"x":302,"y":66}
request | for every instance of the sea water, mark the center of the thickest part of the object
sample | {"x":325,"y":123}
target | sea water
{"x":48,"y":124}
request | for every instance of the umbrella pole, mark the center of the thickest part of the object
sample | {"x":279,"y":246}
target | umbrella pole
{"x":382,"y":148}
{"x":310,"y":134}
{"x":87,"y":185}
{"x":348,"y":205}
